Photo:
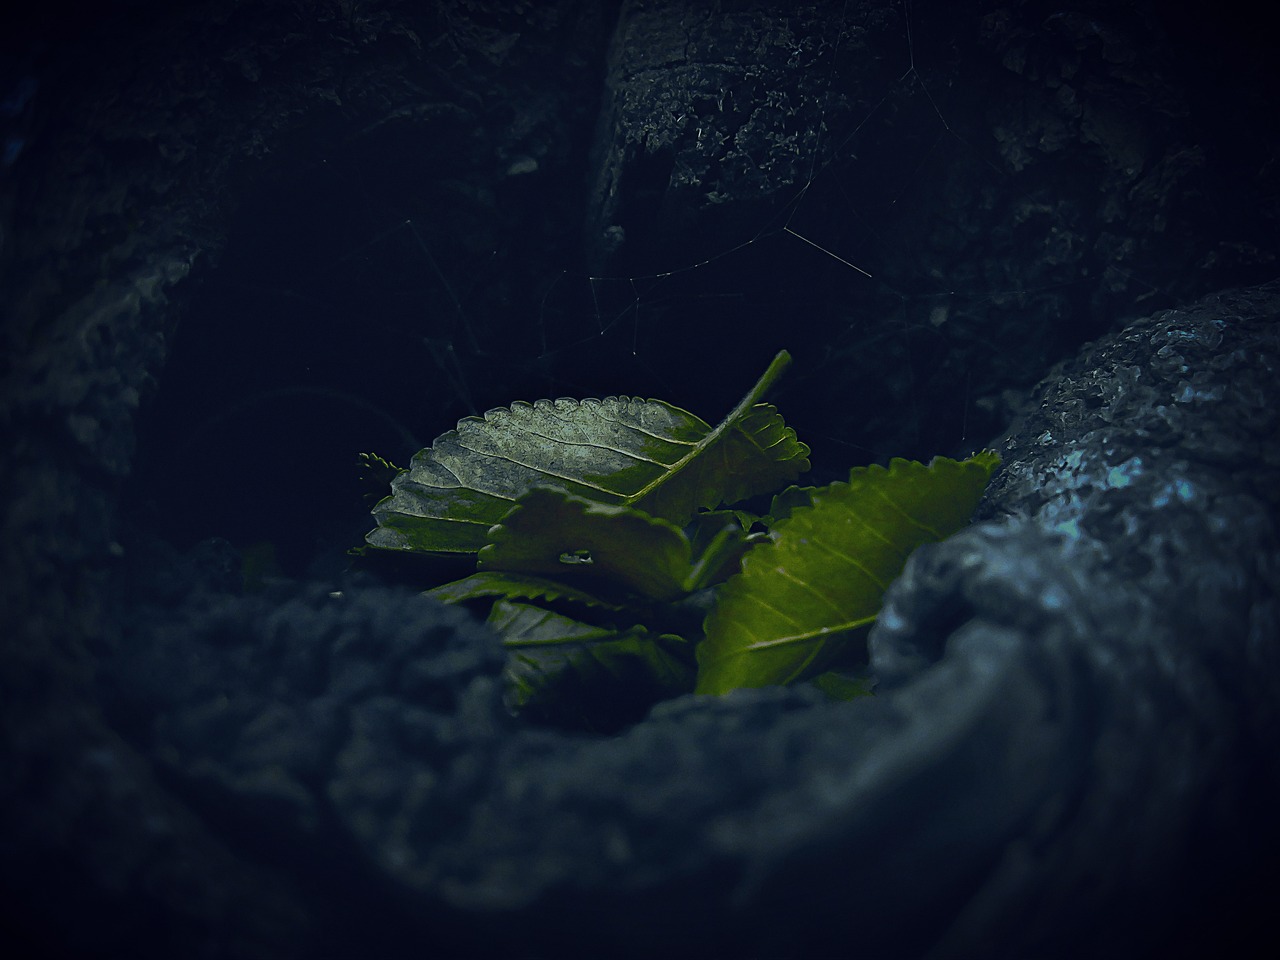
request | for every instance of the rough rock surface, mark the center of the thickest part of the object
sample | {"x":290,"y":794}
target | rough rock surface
{"x":1074,"y":729}
{"x":1010,"y":179}
{"x":1073,"y":753}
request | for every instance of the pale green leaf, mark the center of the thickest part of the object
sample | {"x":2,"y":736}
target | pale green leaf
{"x":620,"y":450}
{"x":803,"y":597}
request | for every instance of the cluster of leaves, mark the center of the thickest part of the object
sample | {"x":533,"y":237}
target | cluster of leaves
{"x":618,"y":571}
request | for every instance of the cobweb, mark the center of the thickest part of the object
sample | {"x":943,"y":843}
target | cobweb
{"x":370,"y":312}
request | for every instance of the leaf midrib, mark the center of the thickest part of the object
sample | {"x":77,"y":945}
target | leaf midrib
{"x":745,"y":405}
{"x":824,"y":631}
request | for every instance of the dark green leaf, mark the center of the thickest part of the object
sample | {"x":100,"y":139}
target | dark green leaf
{"x":718,"y":550}
{"x":842,"y":686}
{"x":570,"y":538}
{"x":562,"y":670}
{"x":786,"y":501}
{"x":619,"y":450}
{"x":707,"y":523}
{"x":801,"y":598}
{"x":513,"y":586}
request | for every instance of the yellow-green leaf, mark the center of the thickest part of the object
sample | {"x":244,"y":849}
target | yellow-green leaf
{"x":802,"y":598}
{"x":564,"y":670}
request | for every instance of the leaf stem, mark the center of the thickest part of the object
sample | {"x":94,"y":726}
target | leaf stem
{"x":728,"y":543}
{"x":776,"y":369}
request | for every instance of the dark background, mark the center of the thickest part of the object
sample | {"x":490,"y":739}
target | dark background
{"x":374,"y":272}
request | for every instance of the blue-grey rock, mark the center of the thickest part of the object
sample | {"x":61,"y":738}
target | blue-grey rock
{"x":1073,"y":749}
{"x":1076,"y":714}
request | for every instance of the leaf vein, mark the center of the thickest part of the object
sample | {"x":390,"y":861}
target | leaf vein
{"x":810,"y":589}
{"x":909,"y":518}
{"x":812,"y":634}
{"x":823,"y":545}
{"x":580,"y":481}
{"x":636,"y":428}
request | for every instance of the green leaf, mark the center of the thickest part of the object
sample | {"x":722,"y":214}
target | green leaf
{"x":802,"y":598}
{"x":789,"y":499}
{"x":492,"y":584}
{"x":563,"y":670}
{"x":708,"y":523}
{"x":842,"y":686}
{"x":752,"y":451}
{"x":553,"y":532}
{"x":375,"y":474}
{"x":719,"y":543}
{"x":620,"y":450}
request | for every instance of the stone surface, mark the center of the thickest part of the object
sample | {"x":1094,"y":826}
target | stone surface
{"x":942,"y":202}
{"x":1076,"y":705}
{"x":1073,"y":751}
